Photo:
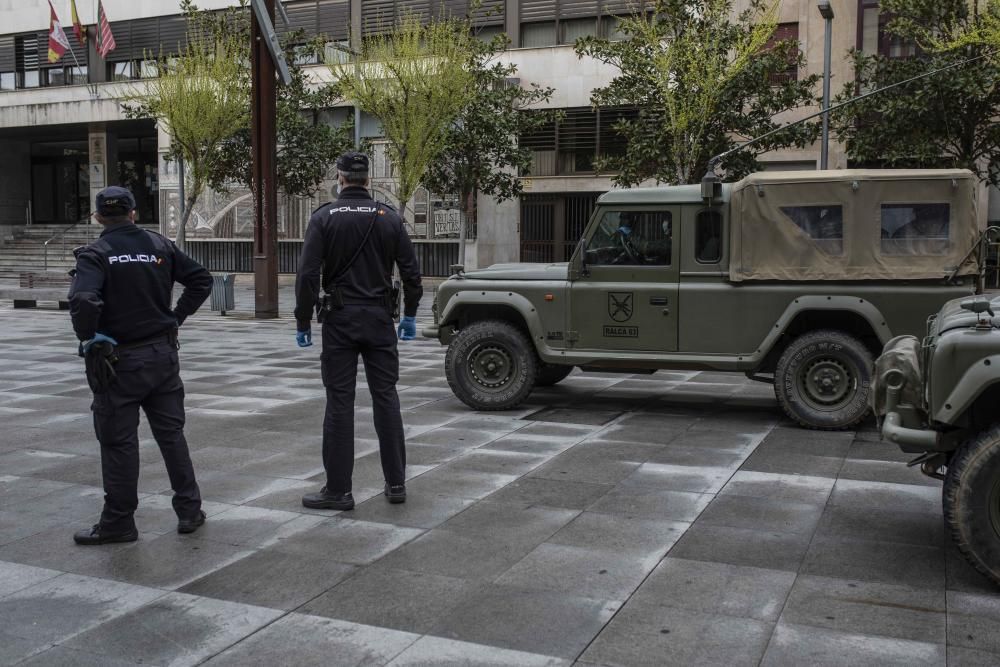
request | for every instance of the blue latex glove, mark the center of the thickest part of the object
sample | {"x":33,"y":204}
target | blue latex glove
{"x":407,"y":328}
{"x":98,"y":338}
{"x":304,"y":338}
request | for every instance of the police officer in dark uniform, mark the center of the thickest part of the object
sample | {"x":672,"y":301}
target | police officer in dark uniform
{"x":120,"y":304}
{"x":350,"y":248}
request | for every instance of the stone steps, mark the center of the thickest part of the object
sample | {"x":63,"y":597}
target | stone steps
{"x":25,"y":252}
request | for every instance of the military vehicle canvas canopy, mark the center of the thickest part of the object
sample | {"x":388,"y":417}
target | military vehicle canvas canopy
{"x":853,"y":225}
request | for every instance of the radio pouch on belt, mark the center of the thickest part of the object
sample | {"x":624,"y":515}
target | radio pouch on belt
{"x":334,"y":298}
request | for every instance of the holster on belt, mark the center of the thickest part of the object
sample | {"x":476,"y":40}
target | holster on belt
{"x":100,"y":363}
{"x":329,"y":301}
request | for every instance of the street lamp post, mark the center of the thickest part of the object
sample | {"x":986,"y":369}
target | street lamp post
{"x":826,"y":11}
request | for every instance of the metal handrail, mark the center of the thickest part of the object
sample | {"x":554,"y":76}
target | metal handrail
{"x":62,"y":236}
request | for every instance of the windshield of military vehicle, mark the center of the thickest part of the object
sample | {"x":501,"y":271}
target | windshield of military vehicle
{"x":632,"y":238}
{"x":853,"y":225}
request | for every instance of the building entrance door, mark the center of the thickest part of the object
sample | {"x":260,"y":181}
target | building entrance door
{"x":60,"y":183}
{"x":552,"y":224}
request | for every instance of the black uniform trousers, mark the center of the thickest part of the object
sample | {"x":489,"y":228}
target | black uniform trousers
{"x":148,"y":377}
{"x":367,"y":330}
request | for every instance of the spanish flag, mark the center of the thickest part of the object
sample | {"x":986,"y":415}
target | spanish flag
{"x":81,"y":32}
{"x":58,"y":43}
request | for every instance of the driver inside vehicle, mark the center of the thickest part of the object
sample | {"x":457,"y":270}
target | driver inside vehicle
{"x":630,"y":238}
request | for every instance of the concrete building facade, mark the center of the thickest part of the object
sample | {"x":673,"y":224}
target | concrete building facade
{"x":64,"y":136}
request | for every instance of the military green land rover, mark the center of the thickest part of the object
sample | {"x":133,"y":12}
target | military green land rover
{"x":938,"y":397}
{"x":794,"y":278}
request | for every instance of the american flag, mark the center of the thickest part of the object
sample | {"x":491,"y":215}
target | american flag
{"x":105,"y":40}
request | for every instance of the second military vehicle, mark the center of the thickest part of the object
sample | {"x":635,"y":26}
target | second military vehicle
{"x":795,"y":278}
{"x":938,"y":396}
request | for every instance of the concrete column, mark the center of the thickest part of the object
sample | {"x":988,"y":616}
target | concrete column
{"x":103,"y":158}
{"x":170,"y":210}
{"x":499,"y":240}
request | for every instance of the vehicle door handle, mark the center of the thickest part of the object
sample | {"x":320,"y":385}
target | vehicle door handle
{"x":658,"y":301}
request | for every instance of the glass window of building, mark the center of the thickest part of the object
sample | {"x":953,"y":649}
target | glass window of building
{"x":573,"y":29}
{"x":538,"y":34}
{"x":8,"y":81}
{"x":120,"y":71}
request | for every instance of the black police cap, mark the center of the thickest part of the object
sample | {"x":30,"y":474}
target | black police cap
{"x":354,"y":162}
{"x":114,"y":200}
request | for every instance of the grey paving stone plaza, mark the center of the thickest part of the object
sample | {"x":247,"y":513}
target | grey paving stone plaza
{"x":672,"y":519}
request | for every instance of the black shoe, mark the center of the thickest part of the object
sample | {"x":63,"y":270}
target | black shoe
{"x":328,"y":501}
{"x":190,"y":525}
{"x":396,"y":493}
{"x":98,"y":535}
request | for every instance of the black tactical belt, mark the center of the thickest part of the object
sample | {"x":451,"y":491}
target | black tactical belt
{"x":169,"y":337}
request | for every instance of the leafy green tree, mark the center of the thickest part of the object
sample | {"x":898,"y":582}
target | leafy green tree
{"x":944,"y":120}
{"x":481,"y":153}
{"x":200,"y":97}
{"x":415,"y":78}
{"x":702,"y":79}
{"x":307,"y":145}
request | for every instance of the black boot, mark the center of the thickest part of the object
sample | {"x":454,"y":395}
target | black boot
{"x":190,"y":525}
{"x":98,"y":535}
{"x":328,"y":501}
{"x":396,"y":493}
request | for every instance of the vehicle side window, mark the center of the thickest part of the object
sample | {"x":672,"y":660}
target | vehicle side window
{"x":915,"y":229}
{"x":632,"y":238}
{"x":708,"y":237}
{"x":824,"y":224}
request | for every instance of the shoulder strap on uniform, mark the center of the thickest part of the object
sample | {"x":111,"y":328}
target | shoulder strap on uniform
{"x":357,"y":253}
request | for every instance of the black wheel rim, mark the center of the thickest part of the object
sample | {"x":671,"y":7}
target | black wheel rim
{"x":492,"y":367}
{"x":827,"y":382}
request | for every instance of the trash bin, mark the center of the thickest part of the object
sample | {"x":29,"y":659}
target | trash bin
{"x":223,"y":297}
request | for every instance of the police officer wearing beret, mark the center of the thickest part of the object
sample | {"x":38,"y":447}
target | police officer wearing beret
{"x":350,"y":248}
{"x":120,"y":305}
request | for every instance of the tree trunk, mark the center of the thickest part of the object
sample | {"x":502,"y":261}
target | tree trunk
{"x":189,"y":203}
{"x":468,"y":210}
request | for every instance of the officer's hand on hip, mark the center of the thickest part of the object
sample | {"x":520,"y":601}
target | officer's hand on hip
{"x":98,"y":338}
{"x":304,"y":338}
{"x":407,"y":328}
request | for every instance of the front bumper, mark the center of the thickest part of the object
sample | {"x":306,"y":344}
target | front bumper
{"x":911,"y":440}
{"x":442,"y":334}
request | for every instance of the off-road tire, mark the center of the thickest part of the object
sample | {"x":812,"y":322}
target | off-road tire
{"x":551,"y":374}
{"x":972,"y":501}
{"x":476,"y":346}
{"x":810,"y":356}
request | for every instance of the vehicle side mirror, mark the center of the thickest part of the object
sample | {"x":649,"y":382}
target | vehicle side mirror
{"x":978,"y":306}
{"x":581,"y":249}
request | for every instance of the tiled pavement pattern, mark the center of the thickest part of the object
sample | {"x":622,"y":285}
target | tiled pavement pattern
{"x":694,"y":527}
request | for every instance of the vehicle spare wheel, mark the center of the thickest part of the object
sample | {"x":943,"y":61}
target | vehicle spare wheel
{"x":491,"y":365}
{"x":972,"y":501}
{"x":823,"y":378}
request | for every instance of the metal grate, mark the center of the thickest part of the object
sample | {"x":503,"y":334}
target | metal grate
{"x":588,"y":417}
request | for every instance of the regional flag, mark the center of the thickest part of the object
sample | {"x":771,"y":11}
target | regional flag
{"x":58,"y":43}
{"x":105,"y":40}
{"x":81,"y":32}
